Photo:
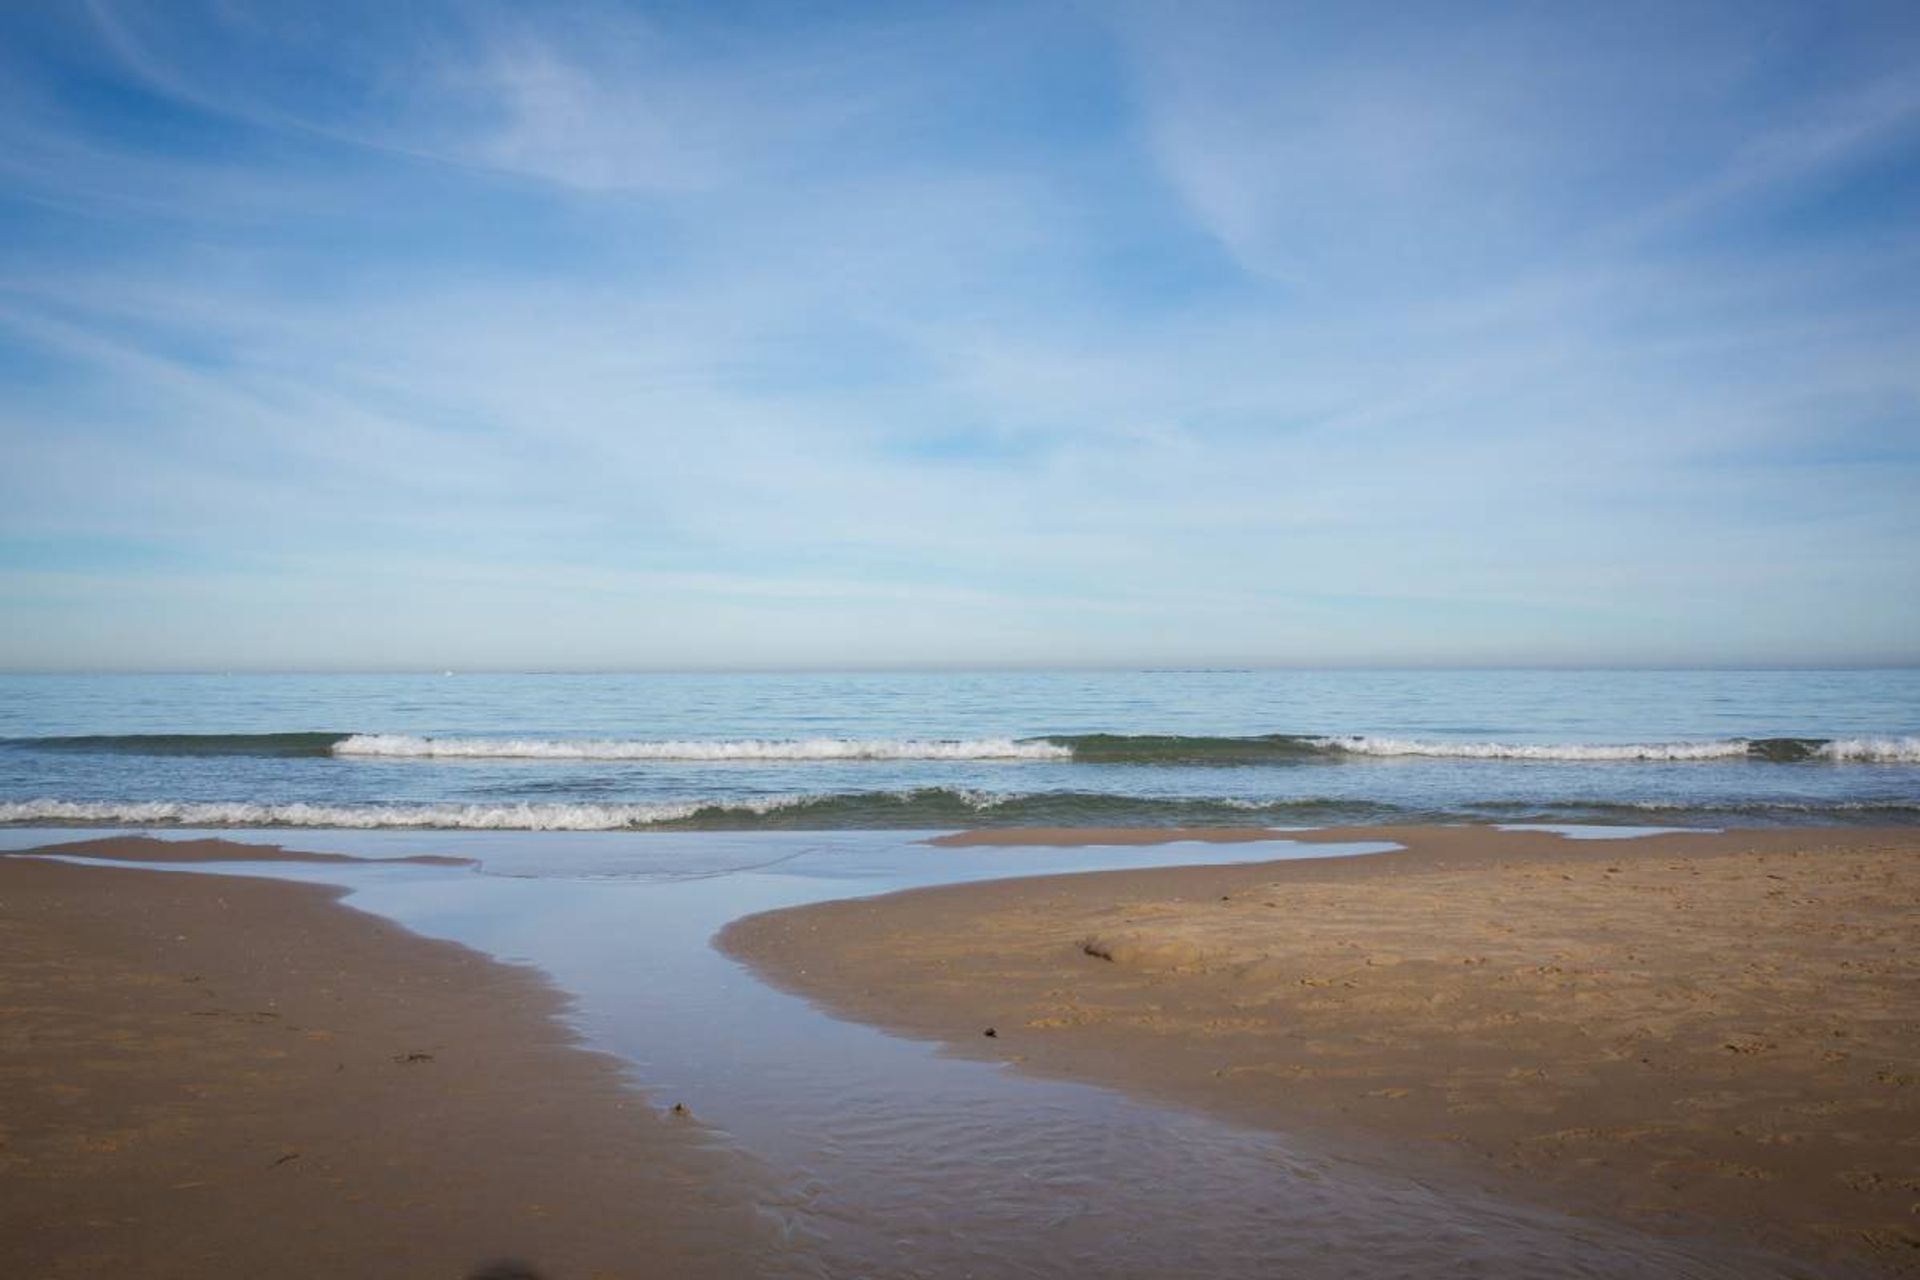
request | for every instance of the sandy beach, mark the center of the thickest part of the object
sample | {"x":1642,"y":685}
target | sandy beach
{"x":1712,"y":1038}
{"x":208,"y":1075}
{"x":1697,"y":1034}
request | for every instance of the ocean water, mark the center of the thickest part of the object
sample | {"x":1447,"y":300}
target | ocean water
{"x":938,"y":750}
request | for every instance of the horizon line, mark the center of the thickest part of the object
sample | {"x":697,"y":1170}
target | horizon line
{"x":1010,"y":668}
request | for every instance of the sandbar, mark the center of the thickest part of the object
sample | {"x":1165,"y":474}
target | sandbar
{"x":1708,"y":1034}
{"x":209,"y":1075}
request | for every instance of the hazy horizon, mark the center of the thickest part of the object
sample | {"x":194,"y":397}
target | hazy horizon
{"x":950,"y":669}
{"x":653,"y":337}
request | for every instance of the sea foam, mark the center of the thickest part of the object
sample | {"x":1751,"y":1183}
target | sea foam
{"x":1873,"y":750}
{"x":923,"y":808}
{"x":1897,"y":750}
{"x":407,"y":746}
{"x":451,"y":817}
{"x":920,"y":807}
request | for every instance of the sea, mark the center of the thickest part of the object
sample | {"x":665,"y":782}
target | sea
{"x":940,"y":750}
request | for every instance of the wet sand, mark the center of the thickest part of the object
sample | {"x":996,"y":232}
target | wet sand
{"x":206,"y":1075}
{"x":1693,"y":1033}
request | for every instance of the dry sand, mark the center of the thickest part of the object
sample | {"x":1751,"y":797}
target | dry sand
{"x":206,"y":1075}
{"x":1695,"y":1032}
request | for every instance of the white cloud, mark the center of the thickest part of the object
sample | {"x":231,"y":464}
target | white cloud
{"x":770,"y":340}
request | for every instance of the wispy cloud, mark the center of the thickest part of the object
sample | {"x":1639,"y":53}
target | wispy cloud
{"x":627,"y":335}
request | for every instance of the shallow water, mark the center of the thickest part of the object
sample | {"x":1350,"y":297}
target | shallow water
{"x":897,"y":1161}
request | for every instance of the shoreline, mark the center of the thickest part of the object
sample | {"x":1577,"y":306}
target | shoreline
{"x":1694,"y":1032}
{"x":149,"y":849}
{"x":211,"y":1074}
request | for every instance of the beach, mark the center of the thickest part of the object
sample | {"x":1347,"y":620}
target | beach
{"x":1699,"y":1034}
{"x":1700,"y":1046}
{"x":211,"y":1075}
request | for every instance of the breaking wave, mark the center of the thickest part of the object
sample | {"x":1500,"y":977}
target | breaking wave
{"x":928,"y":808}
{"x":461,"y":817}
{"x":1776,"y":750}
{"x":406,"y":746}
{"x":1875,"y":750}
{"x":1087,"y":748}
{"x":924,"y":807}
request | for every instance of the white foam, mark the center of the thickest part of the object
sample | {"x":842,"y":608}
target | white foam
{"x":462,"y":817}
{"x":1719,"y":750}
{"x":1905,"y":750}
{"x":1873,"y":750}
{"x":1586,"y":831}
{"x":406,"y":746}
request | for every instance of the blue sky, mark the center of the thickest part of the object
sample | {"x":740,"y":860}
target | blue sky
{"x":610,"y":336}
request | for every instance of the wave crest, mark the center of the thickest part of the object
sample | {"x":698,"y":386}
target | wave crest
{"x":452,"y":817}
{"x":1086,"y":748}
{"x":406,"y":746}
{"x":1901,"y":750}
{"x":1874,"y":750}
{"x":926,"y":808}
{"x":1359,"y":746}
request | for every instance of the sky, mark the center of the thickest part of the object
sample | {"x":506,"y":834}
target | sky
{"x":622,"y":336}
